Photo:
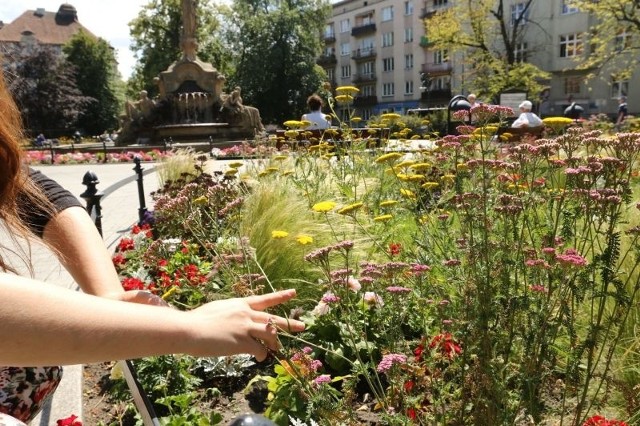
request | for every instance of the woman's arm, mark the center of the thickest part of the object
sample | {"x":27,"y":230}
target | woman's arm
{"x":41,"y":324}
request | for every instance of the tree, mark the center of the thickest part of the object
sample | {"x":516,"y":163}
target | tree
{"x":45,"y":90}
{"x":275,"y":46}
{"x":96,"y":76}
{"x":156,"y":34}
{"x":615,"y":36}
{"x":487,"y":32}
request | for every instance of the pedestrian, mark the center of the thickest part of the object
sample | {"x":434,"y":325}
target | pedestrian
{"x":622,"y":112}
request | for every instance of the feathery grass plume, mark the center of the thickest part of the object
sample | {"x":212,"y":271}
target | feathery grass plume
{"x":172,"y":168}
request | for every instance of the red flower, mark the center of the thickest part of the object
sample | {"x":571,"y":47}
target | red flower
{"x":69,"y":421}
{"x":118,"y":260}
{"x":130,"y":283}
{"x":418,"y":352}
{"x":409,"y":385}
{"x":126,"y":244}
{"x":411,"y":413}
{"x":447,"y":346}
{"x":394,"y":249}
{"x":601,"y":421}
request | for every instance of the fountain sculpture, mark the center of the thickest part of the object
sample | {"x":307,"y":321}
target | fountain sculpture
{"x":191,"y":104}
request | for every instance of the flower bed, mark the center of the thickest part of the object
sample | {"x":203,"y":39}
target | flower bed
{"x":44,"y":157}
{"x":465,"y":284}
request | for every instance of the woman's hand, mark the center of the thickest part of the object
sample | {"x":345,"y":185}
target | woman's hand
{"x":241,"y":325}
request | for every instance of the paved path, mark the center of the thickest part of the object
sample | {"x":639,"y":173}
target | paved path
{"x":119,"y":211}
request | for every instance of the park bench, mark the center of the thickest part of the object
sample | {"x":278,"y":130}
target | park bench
{"x":516,"y":134}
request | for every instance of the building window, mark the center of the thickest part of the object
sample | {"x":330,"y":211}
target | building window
{"x":572,"y":85}
{"x":387,"y":39}
{"x":387,"y":13}
{"x":408,"y":61}
{"x":440,"y":56}
{"x":387,"y":64}
{"x":408,"y":35}
{"x":619,"y":88}
{"x":570,"y":45}
{"x":366,"y":69}
{"x":345,"y":71}
{"x":388,"y":89}
{"x":567,"y":9}
{"x":331,"y":74}
{"x":368,"y":90}
{"x":408,"y":87}
{"x":519,"y":13}
{"x":622,"y":40}
{"x":345,"y":49}
{"x":440,"y":83}
{"x":345,"y":26}
{"x":520,"y":52}
{"x":437,"y":3}
{"x":329,"y":32}
{"x":408,"y":7}
{"x":363,"y":20}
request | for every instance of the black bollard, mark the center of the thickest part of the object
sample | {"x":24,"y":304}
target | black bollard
{"x":143,"y":208}
{"x":210,"y":146}
{"x":251,"y":420}
{"x":92,"y":197}
{"x":52,"y":151}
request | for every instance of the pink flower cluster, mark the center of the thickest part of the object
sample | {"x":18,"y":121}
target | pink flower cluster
{"x":389,"y":360}
{"x":571,"y":257}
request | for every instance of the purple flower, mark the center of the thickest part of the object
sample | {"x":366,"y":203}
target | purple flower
{"x":321,"y":379}
{"x":398,"y":290}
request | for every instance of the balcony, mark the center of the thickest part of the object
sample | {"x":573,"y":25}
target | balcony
{"x":363,"y":78}
{"x":365,"y":101}
{"x":362,"y":54}
{"x":329,"y":38}
{"x":363,"y":30}
{"x":429,"y":10}
{"x":442,"y":68}
{"x":326,"y":60}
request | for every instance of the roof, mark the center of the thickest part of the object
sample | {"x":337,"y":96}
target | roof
{"x":54,"y":28}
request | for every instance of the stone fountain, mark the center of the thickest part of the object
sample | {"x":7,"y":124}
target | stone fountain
{"x":191,"y":105}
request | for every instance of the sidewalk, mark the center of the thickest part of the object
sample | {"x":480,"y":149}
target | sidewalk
{"x":119,"y":212}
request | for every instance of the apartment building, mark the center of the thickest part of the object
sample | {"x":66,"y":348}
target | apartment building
{"x":380,"y":47}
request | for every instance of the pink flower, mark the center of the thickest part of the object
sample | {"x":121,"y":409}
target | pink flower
{"x":389,"y":360}
{"x":571,"y":258}
{"x":372,"y":299}
{"x":321,"y":379}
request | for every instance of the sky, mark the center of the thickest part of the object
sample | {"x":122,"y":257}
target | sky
{"x":105,"y":18}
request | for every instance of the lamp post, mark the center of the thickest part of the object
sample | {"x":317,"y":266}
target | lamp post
{"x":457,"y":103}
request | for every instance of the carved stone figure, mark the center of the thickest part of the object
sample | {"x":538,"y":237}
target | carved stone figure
{"x":237,"y":114}
{"x":189,"y":23}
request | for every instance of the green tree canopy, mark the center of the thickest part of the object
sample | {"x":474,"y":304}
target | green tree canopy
{"x":487,"y":33}
{"x":96,"y":75}
{"x":44,"y":86}
{"x":275,"y":45}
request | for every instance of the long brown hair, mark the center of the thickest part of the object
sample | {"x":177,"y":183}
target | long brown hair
{"x":14,"y":179}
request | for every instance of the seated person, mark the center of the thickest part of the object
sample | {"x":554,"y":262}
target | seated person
{"x":527,"y":118}
{"x":316,"y":117}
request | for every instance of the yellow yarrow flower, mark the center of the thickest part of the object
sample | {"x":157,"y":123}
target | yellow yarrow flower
{"x":347,"y":90}
{"x":392,"y":156}
{"x":420,"y":166}
{"x":344,"y":99}
{"x":407,"y":194}
{"x":383,"y":218}
{"x":293,"y":124}
{"x":236,"y":164}
{"x":350,"y":208}
{"x":231,"y":172}
{"x":406,"y":163}
{"x":430,"y":185}
{"x":287,"y":172}
{"x":462,"y":167}
{"x":280,"y":157}
{"x":304,"y":239}
{"x":414,"y":178}
{"x":323,"y":206}
{"x":356,"y":119}
{"x":279,"y":234}
{"x":448,"y":178}
{"x":291,"y":134}
{"x":200,"y":200}
{"x":388,"y":203}
{"x":390,"y":116}
{"x":557,"y":121}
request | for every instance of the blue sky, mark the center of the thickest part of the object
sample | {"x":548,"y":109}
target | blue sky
{"x":105,"y":18}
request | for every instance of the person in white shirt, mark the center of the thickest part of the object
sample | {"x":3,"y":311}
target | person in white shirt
{"x":316,"y":117}
{"x":527,"y":118}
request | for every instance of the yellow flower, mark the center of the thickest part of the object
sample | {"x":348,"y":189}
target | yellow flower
{"x":356,"y":119}
{"x":305,"y":123}
{"x":415,"y":137}
{"x":287,"y":172}
{"x":323,"y":206}
{"x":350,"y":208}
{"x":272,"y":169}
{"x":347,"y":90}
{"x":414,"y":178}
{"x":344,"y":99}
{"x":383,"y":218}
{"x":420,"y":166}
{"x":236,"y":164}
{"x":293,"y":124}
{"x":372,"y":131}
{"x":388,"y":157}
{"x":557,"y":121}
{"x":430,"y":185}
{"x":388,"y":203}
{"x":406,"y":163}
{"x":280,"y":157}
{"x":408,"y":194}
{"x":231,"y":172}
{"x":448,"y":178}
{"x":200,"y":200}
{"x":390,"y":116}
{"x":304,"y":239}
{"x":291,"y":134}
{"x":462,"y":167}
{"x":279,"y":234}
